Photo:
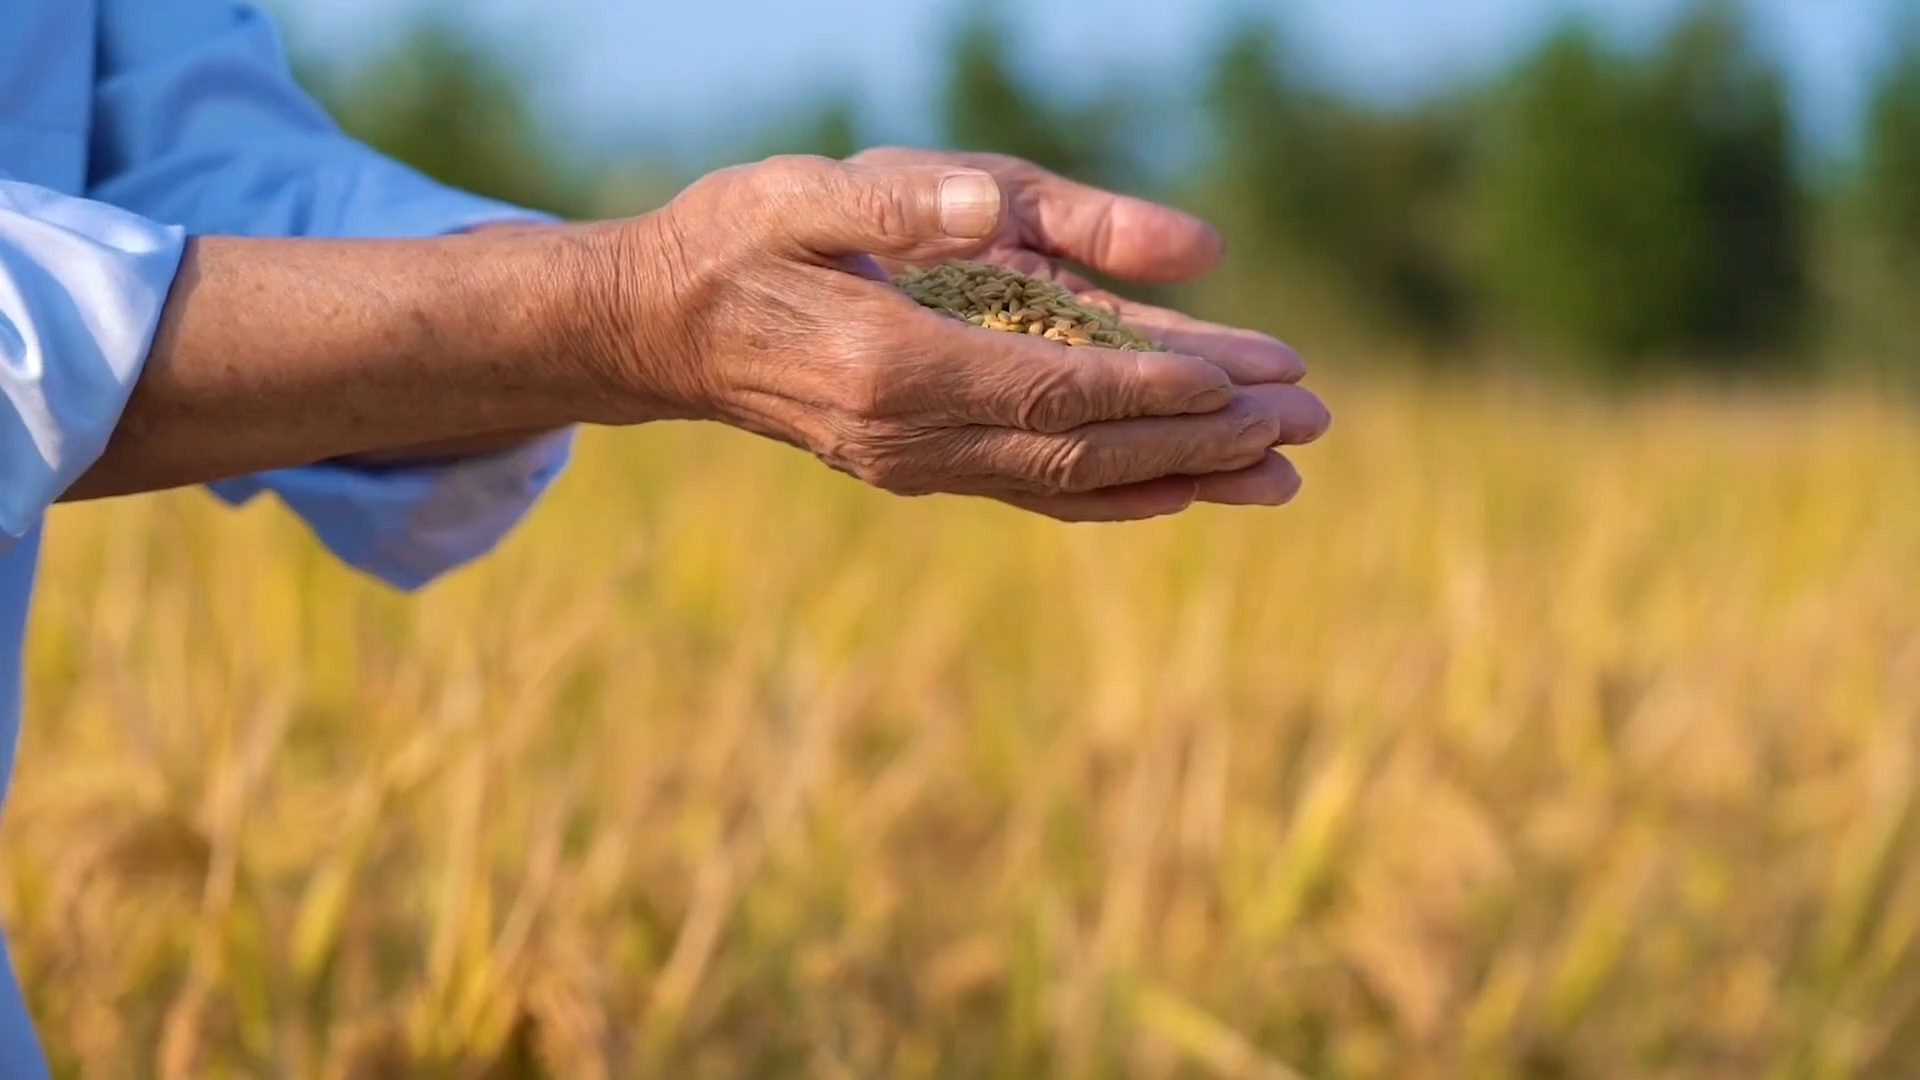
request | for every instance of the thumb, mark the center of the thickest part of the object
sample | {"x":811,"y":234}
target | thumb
{"x":917,"y":214}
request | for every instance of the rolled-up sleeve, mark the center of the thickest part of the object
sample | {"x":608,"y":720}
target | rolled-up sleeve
{"x":198,"y":122}
{"x":408,"y":525}
{"x":82,"y":287}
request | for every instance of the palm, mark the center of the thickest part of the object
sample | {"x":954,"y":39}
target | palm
{"x":1052,"y":224}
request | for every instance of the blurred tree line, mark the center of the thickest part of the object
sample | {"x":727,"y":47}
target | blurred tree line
{"x":1624,"y":211}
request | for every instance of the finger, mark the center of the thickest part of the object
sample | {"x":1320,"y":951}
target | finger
{"x":1118,"y":235}
{"x":1133,"y":502}
{"x":1273,"y":482}
{"x":970,"y":375}
{"x":833,"y":209}
{"x":1123,"y":237}
{"x":1134,"y":451}
{"x":1247,"y":355}
{"x":1296,"y":412}
{"x":1033,"y":264}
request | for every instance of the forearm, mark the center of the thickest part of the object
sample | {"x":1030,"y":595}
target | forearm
{"x":446,"y":451}
{"x":276,"y":353}
{"x":471,"y":446}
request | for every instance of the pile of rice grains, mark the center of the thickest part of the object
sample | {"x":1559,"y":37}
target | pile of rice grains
{"x":1000,"y":299}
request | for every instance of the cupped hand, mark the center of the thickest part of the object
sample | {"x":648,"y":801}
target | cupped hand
{"x":1053,"y":224}
{"x":750,"y":299}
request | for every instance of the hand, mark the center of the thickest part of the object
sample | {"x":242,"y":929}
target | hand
{"x":750,"y":299}
{"x":1051,"y":220}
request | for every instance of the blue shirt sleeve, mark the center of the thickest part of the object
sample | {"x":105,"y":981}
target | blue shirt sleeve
{"x":408,"y":525}
{"x":82,"y":286}
{"x":198,"y":122}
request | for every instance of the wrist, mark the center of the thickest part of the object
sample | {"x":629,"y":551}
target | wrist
{"x":645,"y":296}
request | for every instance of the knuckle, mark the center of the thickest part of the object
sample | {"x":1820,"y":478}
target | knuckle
{"x":1254,"y":427}
{"x":1236,"y":437}
{"x":880,"y":458}
{"x":865,"y":391}
{"x":788,"y":179}
{"x":886,"y":472}
{"x":871,"y":462}
{"x":888,"y":154}
{"x":880,"y":384}
{"x":1248,"y":459}
{"x":1052,"y":399}
{"x":903,"y":478}
{"x":1104,"y":241}
{"x":1262,"y":432}
{"x":1066,"y":465}
{"x":706,"y":196}
{"x":794,"y":168}
{"x":886,"y":208}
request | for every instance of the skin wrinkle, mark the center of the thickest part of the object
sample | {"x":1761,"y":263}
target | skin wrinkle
{"x":1026,"y":244}
{"x":735,"y":303}
{"x":687,"y":293}
{"x":1101,"y":240}
{"x":282,"y":352}
{"x":1068,"y":466}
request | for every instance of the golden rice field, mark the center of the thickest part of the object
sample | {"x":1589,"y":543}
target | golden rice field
{"x":1545,"y":738}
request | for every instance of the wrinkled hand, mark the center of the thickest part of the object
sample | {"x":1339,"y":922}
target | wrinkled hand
{"x":1051,"y":220}
{"x":751,"y":299}
{"x":1053,"y":223}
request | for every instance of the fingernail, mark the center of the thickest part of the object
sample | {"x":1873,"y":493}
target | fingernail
{"x":1260,"y":432}
{"x":1212,"y":399}
{"x":969,"y":205}
{"x":1287,"y":359}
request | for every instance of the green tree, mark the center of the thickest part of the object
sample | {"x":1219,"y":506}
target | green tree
{"x":1356,"y":198}
{"x":830,"y":128}
{"x":1278,"y":159}
{"x":446,"y":105}
{"x":1873,"y":235}
{"x":1890,"y":171}
{"x":988,"y":106}
{"x":1631,"y":210}
{"x":1752,"y":297}
{"x":1586,"y":229}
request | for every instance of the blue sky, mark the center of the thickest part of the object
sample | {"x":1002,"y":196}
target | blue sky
{"x":685,"y":71}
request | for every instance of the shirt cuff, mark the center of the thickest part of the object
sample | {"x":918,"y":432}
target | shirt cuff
{"x":82,"y":289}
{"x":409,"y":525}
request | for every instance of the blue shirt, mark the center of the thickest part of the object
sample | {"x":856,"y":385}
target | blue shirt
{"x":125,"y":125}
